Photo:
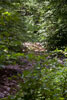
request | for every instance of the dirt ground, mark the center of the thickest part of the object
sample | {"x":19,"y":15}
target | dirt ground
{"x":9,"y":79}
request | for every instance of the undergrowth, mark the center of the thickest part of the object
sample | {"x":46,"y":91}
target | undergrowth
{"x":46,"y":81}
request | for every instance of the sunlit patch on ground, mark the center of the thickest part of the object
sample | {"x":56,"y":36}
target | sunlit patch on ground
{"x":37,"y":47}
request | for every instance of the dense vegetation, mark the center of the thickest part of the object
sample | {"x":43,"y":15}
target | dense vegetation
{"x":43,"y":21}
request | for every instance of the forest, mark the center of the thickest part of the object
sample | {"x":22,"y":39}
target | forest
{"x":33,"y":49}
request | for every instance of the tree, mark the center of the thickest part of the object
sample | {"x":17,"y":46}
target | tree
{"x":11,"y":25}
{"x":57,"y":24}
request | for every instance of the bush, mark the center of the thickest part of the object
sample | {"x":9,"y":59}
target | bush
{"x":47,"y":81}
{"x":57,"y":23}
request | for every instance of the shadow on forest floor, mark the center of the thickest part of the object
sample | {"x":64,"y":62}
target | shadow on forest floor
{"x":10,"y":74}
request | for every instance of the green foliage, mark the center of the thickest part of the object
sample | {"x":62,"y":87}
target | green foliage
{"x":30,"y":20}
{"x":19,"y":22}
{"x":43,"y":83}
{"x":11,"y":25}
{"x":57,"y":20}
{"x":36,"y":20}
{"x":47,"y":81}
